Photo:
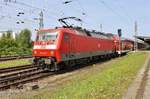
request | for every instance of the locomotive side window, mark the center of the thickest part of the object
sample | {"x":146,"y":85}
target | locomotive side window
{"x":48,"y":36}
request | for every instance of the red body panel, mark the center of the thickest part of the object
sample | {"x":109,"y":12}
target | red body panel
{"x":79,"y":44}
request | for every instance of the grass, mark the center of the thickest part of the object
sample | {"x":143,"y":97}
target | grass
{"x":109,"y":83}
{"x":13,"y":63}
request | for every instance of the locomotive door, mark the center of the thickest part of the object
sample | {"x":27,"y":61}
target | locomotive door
{"x":71,"y":49}
{"x":71,"y":46}
{"x":68,"y":41}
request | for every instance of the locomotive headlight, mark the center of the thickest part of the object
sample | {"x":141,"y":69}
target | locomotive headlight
{"x":52,"y":52}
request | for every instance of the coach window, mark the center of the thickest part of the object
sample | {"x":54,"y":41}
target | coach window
{"x":66,"y":36}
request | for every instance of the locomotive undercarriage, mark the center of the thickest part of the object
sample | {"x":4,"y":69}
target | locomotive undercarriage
{"x":46,"y":63}
{"x":51,"y":64}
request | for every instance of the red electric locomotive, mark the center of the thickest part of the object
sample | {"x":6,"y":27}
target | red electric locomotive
{"x":62,"y":47}
{"x":55,"y":47}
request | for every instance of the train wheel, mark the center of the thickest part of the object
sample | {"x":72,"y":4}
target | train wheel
{"x":56,"y":66}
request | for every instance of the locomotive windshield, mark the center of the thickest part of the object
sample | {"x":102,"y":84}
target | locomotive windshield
{"x":48,"y":36}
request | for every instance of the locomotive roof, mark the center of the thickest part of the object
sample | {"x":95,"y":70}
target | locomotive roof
{"x":94,"y":33}
{"x":81,"y":31}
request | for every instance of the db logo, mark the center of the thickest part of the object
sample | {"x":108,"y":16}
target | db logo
{"x":99,"y":45}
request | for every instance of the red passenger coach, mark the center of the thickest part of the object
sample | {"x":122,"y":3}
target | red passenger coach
{"x":62,"y":47}
{"x":127,"y":45}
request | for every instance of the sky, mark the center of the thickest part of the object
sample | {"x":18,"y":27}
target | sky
{"x":112,"y":14}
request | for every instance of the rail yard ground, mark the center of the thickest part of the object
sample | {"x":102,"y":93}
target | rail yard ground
{"x":109,"y":80}
{"x":13,"y":63}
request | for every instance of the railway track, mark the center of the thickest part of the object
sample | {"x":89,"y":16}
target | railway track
{"x":20,"y":75}
{"x":17,"y":76}
{"x":22,"y":79}
{"x":17,"y":68}
{"x":6,"y":58}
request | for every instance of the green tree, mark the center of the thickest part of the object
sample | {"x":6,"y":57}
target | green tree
{"x":24,"y":38}
{"x":9,"y":34}
{"x":7,"y":44}
{"x":3,"y":36}
{"x":20,"y":45}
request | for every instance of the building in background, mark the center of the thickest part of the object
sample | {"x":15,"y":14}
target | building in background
{"x":13,"y":33}
{"x":145,"y":39}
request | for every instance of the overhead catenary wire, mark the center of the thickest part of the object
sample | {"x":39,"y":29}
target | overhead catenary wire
{"x":11,"y":17}
{"x":18,"y":10}
{"x":34,"y":8}
{"x":125,"y":12}
{"x":72,"y":2}
{"x":55,"y":8}
{"x":83,"y":10}
{"x":48,"y":17}
{"x":30,"y":11}
{"x":50,"y":14}
{"x":24,"y":4}
{"x":17,"y":19}
{"x":122,"y":17}
{"x":54,"y":15}
{"x":15,"y":26}
{"x":11,"y":27}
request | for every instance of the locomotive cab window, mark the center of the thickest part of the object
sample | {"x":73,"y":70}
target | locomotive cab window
{"x":52,"y":36}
